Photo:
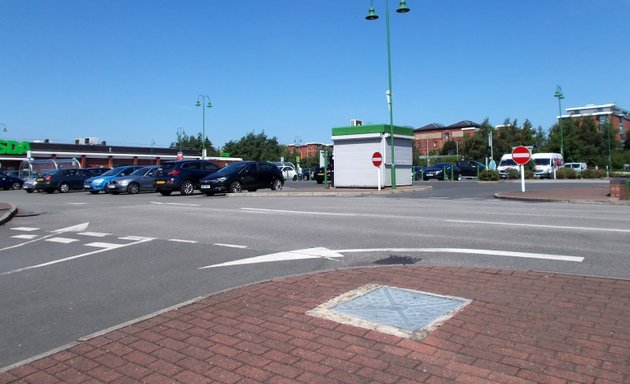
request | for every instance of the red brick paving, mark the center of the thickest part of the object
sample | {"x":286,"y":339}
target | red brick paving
{"x":521,"y":328}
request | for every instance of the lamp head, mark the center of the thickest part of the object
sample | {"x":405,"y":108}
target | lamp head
{"x":402,"y":8}
{"x":371,"y":13}
{"x":558,"y":93}
{"x":197,"y":104}
{"x":209,"y":105}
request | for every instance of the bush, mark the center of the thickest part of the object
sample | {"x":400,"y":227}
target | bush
{"x":513,"y":174}
{"x":593,"y":173}
{"x":566,"y":173}
{"x":489,"y":175}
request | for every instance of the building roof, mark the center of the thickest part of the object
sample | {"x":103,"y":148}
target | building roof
{"x":459,"y":125}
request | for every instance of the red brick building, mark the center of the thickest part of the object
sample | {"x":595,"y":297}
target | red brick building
{"x":432,"y":137}
{"x":618,"y":118}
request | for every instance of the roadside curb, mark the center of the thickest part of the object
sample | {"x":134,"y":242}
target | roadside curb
{"x":330,"y":192}
{"x":7,"y":211}
{"x":502,"y":195}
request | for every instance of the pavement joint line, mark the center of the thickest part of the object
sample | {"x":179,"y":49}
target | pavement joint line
{"x":594,"y":229}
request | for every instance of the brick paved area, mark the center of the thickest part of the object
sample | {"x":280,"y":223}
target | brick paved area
{"x":521,"y":328}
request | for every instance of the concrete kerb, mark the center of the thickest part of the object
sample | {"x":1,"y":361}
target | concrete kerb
{"x":7,"y":211}
{"x":503,"y":195}
{"x":340,"y":192}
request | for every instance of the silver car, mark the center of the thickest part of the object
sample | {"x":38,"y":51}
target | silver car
{"x":141,"y":180}
{"x":30,"y":184}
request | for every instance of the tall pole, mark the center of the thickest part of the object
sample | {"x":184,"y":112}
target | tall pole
{"x":201,"y":102}
{"x":560,"y":96}
{"x":372,"y":16}
{"x":4,"y":128}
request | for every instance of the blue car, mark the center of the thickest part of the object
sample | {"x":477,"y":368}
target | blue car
{"x":97,"y":184}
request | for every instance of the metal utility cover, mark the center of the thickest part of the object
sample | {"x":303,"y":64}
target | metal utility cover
{"x":396,"y":311}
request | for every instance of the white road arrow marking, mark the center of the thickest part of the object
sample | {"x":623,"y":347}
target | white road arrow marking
{"x":301,"y":254}
{"x":75,"y":228}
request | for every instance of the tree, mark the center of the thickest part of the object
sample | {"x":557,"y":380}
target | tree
{"x":193,"y":143}
{"x":475,"y":147}
{"x":255,"y":147}
{"x":449,"y":148}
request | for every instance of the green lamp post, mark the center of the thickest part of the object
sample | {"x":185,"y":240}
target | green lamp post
{"x":560,"y":96}
{"x":201,"y":102}
{"x":402,"y":8}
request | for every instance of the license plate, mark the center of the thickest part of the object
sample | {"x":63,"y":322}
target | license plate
{"x":430,"y":174}
{"x":111,"y":186}
{"x":160,"y":182}
{"x":40,"y":179}
{"x":204,"y":186}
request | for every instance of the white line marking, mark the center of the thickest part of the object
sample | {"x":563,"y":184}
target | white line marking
{"x":489,"y":252}
{"x":182,"y":241}
{"x":25,"y":229}
{"x":25,"y":236}
{"x":75,"y":228}
{"x":301,"y":254}
{"x":68,"y":259}
{"x":541,"y":226}
{"x":62,"y":240}
{"x":76,"y":203}
{"x":136,"y":238}
{"x":94,"y":234}
{"x":263,"y":210}
{"x":230,"y":245}
{"x":176,"y":204}
{"x":104,"y":245}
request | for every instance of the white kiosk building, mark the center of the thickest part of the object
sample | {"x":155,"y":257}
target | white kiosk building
{"x":353,"y":150}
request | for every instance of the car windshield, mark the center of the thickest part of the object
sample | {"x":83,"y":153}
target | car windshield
{"x":544,"y":161}
{"x":139,"y":171}
{"x":506,"y":162}
{"x":232,"y":168}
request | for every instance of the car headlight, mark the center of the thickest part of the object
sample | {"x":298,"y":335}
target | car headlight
{"x":97,"y":181}
{"x":221,"y":179}
{"x":124,"y":182}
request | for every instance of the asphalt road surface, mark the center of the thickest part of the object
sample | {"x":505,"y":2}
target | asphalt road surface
{"x":74,"y":264}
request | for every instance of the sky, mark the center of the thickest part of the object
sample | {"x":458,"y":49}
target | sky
{"x":129,"y":72}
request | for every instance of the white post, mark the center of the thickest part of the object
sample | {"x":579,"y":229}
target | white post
{"x":378,"y":173}
{"x":522,"y":178}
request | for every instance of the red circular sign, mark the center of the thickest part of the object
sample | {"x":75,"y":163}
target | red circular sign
{"x":521,"y":155}
{"x":377,"y":159}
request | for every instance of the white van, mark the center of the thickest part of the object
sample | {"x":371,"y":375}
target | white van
{"x":546,"y":163}
{"x":506,"y":163}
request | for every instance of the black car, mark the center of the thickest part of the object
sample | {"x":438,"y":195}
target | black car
{"x":248,"y":175}
{"x":443,"y":171}
{"x":65,"y":180}
{"x":182,"y":175}
{"x":470,"y":167}
{"x":319,"y":175}
{"x":9,"y":182}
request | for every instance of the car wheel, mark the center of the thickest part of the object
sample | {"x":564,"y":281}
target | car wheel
{"x":187,"y":188}
{"x":276,"y":185}
{"x":64,"y":188}
{"x":295,"y":178}
{"x":165,"y":193}
{"x":459,"y":177}
{"x":16,"y":185}
{"x":236,"y":187}
{"x":133,"y":188}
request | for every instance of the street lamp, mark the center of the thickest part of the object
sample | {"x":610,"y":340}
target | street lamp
{"x":560,"y":96}
{"x":4,"y":128}
{"x":402,"y":8}
{"x":201,"y":102}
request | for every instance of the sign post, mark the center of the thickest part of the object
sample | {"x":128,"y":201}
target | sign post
{"x":377,"y":160}
{"x":521,"y":156}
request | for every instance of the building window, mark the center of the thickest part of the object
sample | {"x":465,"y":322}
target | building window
{"x":435,"y":144}
{"x":446,"y":136}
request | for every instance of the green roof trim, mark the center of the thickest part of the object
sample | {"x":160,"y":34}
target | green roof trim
{"x":377,"y":128}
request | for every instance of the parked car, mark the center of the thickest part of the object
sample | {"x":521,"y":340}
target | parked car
{"x":470,"y":168}
{"x":505,"y":164}
{"x":288,"y":172}
{"x":98,"y":183}
{"x":64,"y":180}
{"x":443,"y":171}
{"x":29,"y":184}
{"x":417,"y":171}
{"x":182,"y":176}
{"x":577,"y":167}
{"x":546,"y":163}
{"x":319,"y":175}
{"x":10,"y":182}
{"x":306,"y":173}
{"x":248,"y":175}
{"x":141,"y":180}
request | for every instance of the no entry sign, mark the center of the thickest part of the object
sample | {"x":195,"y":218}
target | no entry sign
{"x":377,"y":159}
{"x":521,"y":155}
